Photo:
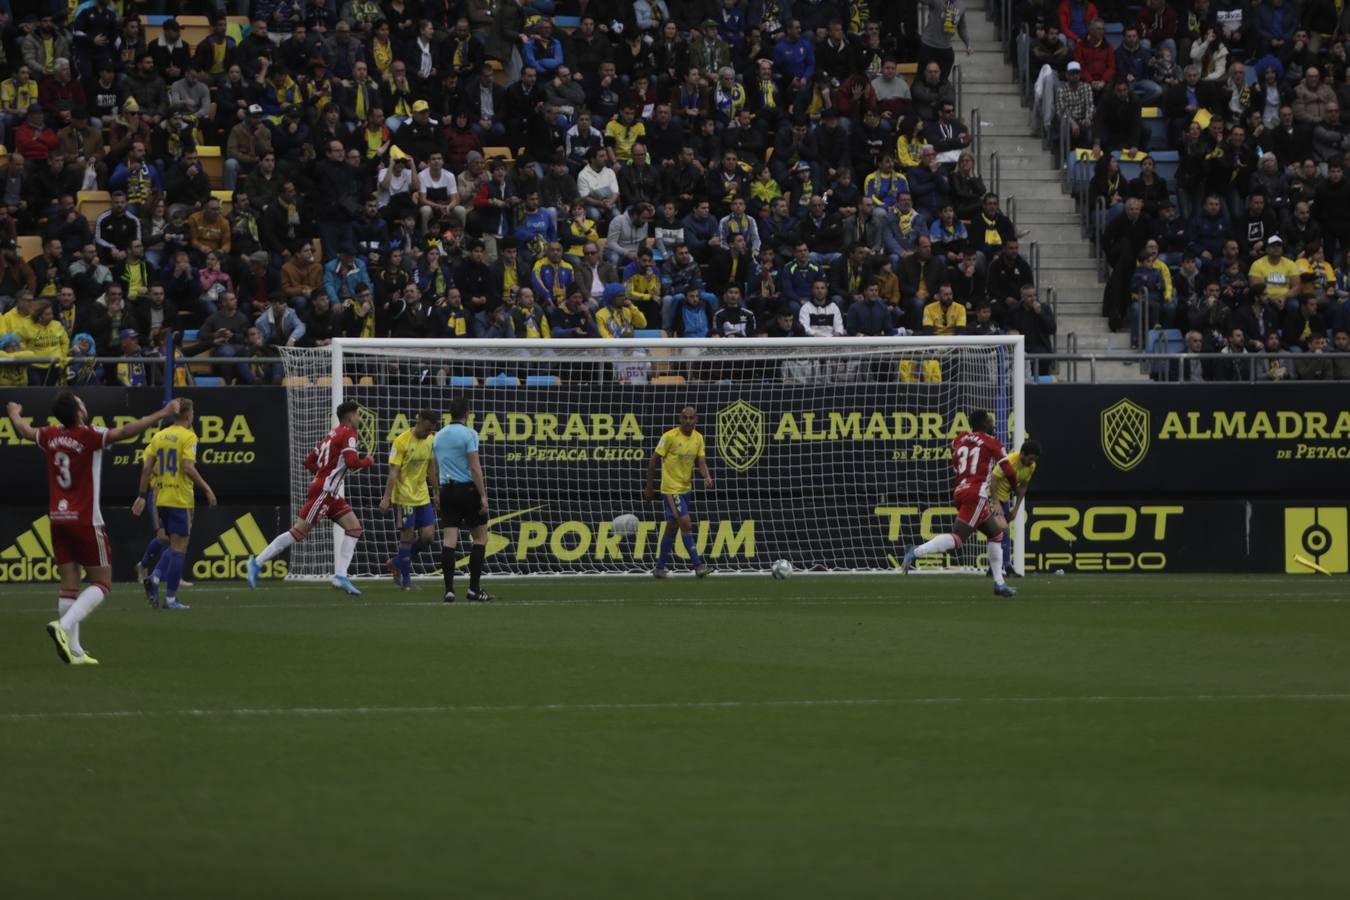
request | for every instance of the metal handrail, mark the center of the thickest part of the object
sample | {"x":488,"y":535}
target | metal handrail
{"x":1034,"y":257}
{"x":976,"y":133}
{"x":995,"y":173}
{"x":1052,"y":301}
{"x":1065,"y":156}
{"x":1010,"y":208}
{"x":1004,"y":27}
{"x":1250,"y":361}
{"x":957,"y":80}
{"x":1098,"y":228}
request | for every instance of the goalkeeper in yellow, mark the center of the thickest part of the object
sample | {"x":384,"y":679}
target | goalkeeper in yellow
{"x":411,"y":489}
{"x":675,"y":455}
{"x":171,"y":461}
{"x":1024,"y":464}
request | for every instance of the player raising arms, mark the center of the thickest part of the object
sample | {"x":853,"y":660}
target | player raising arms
{"x":171,"y":460}
{"x":412,"y":478}
{"x":1024,"y":463}
{"x":330,"y":462}
{"x":675,"y":454}
{"x":974,"y":454}
{"x":74,"y":468}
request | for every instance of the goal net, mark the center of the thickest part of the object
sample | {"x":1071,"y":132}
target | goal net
{"x":832,"y":454}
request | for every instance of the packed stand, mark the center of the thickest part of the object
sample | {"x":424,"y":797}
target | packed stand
{"x":480,"y":169}
{"x":1218,"y":146}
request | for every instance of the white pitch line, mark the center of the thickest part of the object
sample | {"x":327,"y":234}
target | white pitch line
{"x":336,"y":712}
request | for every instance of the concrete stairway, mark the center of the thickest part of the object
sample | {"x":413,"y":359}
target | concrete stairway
{"x":1042,"y":208}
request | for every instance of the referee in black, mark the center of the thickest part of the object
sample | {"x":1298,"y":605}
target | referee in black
{"x":464,"y":499}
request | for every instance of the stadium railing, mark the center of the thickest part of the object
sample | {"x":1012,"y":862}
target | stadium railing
{"x":1069,"y":366}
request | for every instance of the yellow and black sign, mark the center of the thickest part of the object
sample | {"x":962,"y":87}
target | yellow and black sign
{"x":740,"y":435}
{"x":1318,"y":533}
{"x":29,"y":558}
{"x":1125,"y":434}
{"x":228,"y":555}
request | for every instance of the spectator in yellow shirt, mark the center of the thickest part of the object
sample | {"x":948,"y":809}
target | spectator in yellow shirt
{"x":620,"y":319}
{"x":624,"y":132}
{"x":1278,"y":274}
{"x":944,"y":316}
{"x":51,"y":340}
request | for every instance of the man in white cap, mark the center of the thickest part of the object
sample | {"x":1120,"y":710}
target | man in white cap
{"x":1279,"y":275}
{"x":1073,"y":104}
{"x":249,"y":142}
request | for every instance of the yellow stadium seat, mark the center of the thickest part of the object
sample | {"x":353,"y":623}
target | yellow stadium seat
{"x":226,"y":199}
{"x":213,"y":164}
{"x":295,"y":381}
{"x":93,"y":203}
{"x":491,"y":153}
{"x":194,"y":28}
{"x":668,"y":379}
{"x":30,"y":245}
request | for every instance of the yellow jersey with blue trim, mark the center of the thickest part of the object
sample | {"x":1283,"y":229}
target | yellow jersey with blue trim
{"x":170,"y":448}
{"x":412,"y":455}
{"x":678,"y":452}
{"x":1002,"y":492}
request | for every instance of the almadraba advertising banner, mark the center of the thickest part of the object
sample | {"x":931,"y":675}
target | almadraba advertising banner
{"x":1197,"y":440}
{"x":243,"y":447}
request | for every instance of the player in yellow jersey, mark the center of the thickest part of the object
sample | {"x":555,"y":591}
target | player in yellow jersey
{"x":410,"y":490}
{"x":679,"y":449}
{"x":1024,"y":464}
{"x":171,"y":460}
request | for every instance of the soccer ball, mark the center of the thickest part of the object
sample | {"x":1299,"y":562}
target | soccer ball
{"x":780,"y":569}
{"x":626,"y":524}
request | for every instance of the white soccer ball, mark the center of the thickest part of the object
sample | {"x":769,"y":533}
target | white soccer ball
{"x":781,"y":569}
{"x":626,"y":524}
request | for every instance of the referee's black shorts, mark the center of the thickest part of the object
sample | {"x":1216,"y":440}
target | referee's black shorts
{"x":461,"y":506}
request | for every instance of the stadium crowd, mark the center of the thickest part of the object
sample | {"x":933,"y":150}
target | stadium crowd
{"x":474,"y":169}
{"x":1243,"y":244}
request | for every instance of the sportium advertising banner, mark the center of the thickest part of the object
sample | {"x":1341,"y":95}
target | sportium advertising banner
{"x":242,"y":440}
{"x":1158,"y":439}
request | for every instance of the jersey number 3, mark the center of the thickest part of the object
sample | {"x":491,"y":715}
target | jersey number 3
{"x":967,"y":460}
{"x":63,"y":479}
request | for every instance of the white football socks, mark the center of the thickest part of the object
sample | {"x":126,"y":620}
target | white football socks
{"x":940,"y":544}
{"x":84,"y":604}
{"x":73,"y":633}
{"x":995,"y":549}
{"x":277,"y":547}
{"x":344,"y":555}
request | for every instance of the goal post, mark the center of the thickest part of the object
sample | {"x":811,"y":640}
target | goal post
{"x":832,"y":454}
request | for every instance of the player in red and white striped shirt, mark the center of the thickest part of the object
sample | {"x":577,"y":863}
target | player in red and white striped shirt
{"x":975,"y":453}
{"x":74,"y":474}
{"x":330,"y":462}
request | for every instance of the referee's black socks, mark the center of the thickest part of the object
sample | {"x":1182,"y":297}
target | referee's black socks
{"x":448,"y":567}
{"x":476,"y":565}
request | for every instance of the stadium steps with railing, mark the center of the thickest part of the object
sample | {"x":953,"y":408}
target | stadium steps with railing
{"x":1027,"y":174}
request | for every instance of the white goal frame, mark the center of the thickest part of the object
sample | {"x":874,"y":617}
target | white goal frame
{"x":689,"y":348}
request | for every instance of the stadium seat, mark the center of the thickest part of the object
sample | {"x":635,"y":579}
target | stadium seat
{"x":93,"y":204}
{"x":194,"y":28}
{"x":1155,"y":134}
{"x":648,"y":333}
{"x":213,"y":164}
{"x":296,"y":381}
{"x":541,"y":380}
{"x":502,"y":380}
{"x":567,"y":21}
{"x":1164,"y":340}
{"x":491,"y":153}
{"x":226,"y":199}
{"x":208,"y":381}
{"x":463,"y":381}
{"x":1168,"y":161}
{"x":30,"y":245}
{"x":668,"y":379}
{"x":366,"y":381}
{"x":190,"y":334}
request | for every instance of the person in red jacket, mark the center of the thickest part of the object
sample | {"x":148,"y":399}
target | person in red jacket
{"x":1096,"y":57}
{"x":1074,"y":18}
{"x":1157,"y":24}
{"x":33,"y":138}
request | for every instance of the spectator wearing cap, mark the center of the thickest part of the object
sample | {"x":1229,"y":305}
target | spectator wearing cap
{"x":572,"y":318}
{"x":708,"y":53}
{"x":420,"y":136}
{"x":130,"y":369}
{"x":280,"y":325}
{"x":1278,"y":274}
{"x":34,"y":140}
{"x":171,"y":53}
{"x":1075,"y":104}
{"x":344,"y":274}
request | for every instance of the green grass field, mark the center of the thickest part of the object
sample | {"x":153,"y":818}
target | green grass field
{"x":1097,"y":737}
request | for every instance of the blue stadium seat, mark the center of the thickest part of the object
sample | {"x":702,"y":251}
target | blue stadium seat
{"x":541,"y":380}
{"x":648,"y":333}
{"x":463,"y":381}
{"x":1155,"y":134}
{"x":190,"y":334}
{"x":1168,"y":161}
{"x":1164,"y":340}
{"x":502,"y":380}
{"x":1115,"y":34}
{"x":567,"y":21}
{"x":208,"y":381}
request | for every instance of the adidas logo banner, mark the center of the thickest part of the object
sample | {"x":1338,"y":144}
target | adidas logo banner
{"x":28,"y":557}
{"x":227,"y":556}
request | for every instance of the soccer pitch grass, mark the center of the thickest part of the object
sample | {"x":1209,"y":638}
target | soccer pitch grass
{"x":737,"y":737}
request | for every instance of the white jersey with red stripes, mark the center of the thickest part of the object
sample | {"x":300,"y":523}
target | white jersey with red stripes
{"x":74,"y":471}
